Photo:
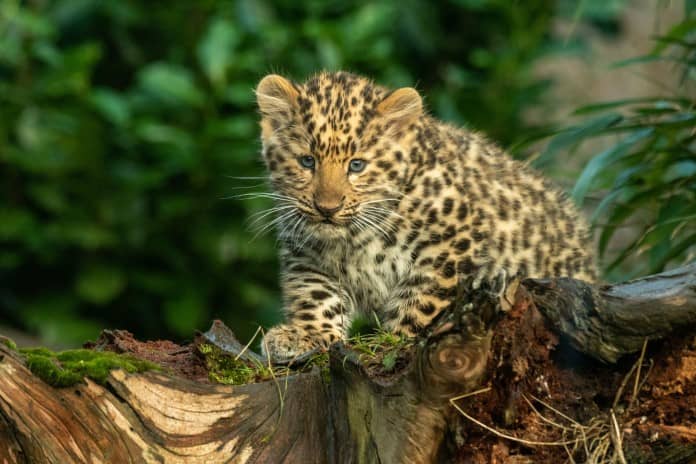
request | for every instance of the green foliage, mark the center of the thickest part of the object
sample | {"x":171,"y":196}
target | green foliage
{"x":647,"y":177}
{"x":8,"y":342}
{"x":67,"y":368}
{"x":380,"y":349}
{"x":124,"y":124}
{"x":228,"y":369}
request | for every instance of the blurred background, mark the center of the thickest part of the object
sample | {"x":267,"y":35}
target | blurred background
{"x":125,"y":126}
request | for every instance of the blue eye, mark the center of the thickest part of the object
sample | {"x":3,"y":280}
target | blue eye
{"x":307,"y":162}
{"x":356,"y":165}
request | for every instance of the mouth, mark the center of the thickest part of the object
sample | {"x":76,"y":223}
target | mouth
{"x":331,"y":221}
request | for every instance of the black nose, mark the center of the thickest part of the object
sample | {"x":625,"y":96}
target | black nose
{"x":327,"y":209}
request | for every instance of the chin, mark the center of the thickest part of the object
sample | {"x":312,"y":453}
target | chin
{"x":329,"y":231}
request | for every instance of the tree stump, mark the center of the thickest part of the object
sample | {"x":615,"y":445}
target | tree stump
{"x":568,"y":371}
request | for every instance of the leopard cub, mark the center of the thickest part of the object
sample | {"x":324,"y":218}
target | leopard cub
{"x":383,"y":209}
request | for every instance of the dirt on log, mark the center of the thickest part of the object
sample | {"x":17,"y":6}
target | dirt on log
{"x":572,"y":373}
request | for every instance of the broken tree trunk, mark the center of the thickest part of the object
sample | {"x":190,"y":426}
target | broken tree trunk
{"x":481,"y":387}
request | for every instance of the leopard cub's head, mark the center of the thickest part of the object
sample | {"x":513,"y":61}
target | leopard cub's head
{"x":334,"y":150}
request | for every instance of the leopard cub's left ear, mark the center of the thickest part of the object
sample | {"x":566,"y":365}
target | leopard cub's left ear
{"x":402,"y":106}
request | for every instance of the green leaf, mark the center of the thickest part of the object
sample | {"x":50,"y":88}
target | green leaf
{"x":389,"y":360}
{"x":577,"y":134}
{"x":659,"y":102}
{"x":171,"y":84}
{"x":600,"y":162}
{"x":112,"y":106}
{"x":216,"y":50}
{"x":689,"y":7}
{"x":677,"y":251}
{"x":621,"y":212}
{"x":679,"y":31}
{"x":100,"y":284}
{"x":15,"y":223}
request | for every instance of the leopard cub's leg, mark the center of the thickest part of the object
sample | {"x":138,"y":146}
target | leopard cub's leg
{"x":417,"y":300}
{"x":316,"y":316}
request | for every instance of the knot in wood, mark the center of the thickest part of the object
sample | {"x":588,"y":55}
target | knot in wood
{"x":456,"y":361}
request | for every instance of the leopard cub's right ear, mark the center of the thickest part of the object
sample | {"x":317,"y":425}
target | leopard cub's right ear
{"x":276,"y":95}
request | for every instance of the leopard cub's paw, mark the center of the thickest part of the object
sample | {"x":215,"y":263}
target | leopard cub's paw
{"x":285,"y":342}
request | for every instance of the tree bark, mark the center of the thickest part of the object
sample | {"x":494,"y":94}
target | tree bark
{"x":532,"y":395}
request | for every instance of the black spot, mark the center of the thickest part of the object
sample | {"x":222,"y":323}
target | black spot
{"x":463,"y":244}
{"x":466,"y":266}
{"x":462,"y":211}
{"x":307,"y":317}
{"x":432,"y":216}
{"x":448,"y":270}
{"x":557,"y":269}
{"x":379,"y":258}
{"x":320,"y":294}
{"x":440,"y":260}
{"x":447,"y":206}
{"x":328,"y":314}
{"x":427,"y":309}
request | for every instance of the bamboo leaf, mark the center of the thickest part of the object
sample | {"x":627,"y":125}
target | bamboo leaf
{"x":659,"y":102}
{"x":576,"y":135}
{"x":602,"y":161}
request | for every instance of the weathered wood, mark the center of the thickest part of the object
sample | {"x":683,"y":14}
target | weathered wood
{"x":361,"y":411}
{"x":610,"y":321}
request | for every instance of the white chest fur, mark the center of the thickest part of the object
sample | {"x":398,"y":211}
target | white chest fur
{"x":367,"y":271}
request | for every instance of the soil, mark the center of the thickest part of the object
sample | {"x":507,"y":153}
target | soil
{"x":179,"y":360}
{"x":542,"y":390}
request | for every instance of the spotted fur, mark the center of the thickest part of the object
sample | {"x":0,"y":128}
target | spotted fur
{"x":392,"y":234}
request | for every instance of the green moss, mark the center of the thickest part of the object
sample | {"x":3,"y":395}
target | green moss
{"x":379,"y":347}
{"x":227,"y":369}
{"x":362,"y":325}
{"x":8,"y":342}
{"x":67,"y":368}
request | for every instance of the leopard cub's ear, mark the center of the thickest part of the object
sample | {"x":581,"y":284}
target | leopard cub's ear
{"x":276,"y":95}
{"x":401,"y":106}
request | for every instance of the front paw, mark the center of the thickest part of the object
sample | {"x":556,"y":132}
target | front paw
{"x":285,"y":342}
{"x":498,"y":283}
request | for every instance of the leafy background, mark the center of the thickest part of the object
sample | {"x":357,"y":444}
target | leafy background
{"x":125,"y":125}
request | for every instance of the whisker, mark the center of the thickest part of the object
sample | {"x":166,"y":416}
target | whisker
{"x":261,"y":215}
{"x":379,"y":201}
{"x":246,"y":186}
{"x":256,"y":195}
{"x":266,"y":227}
